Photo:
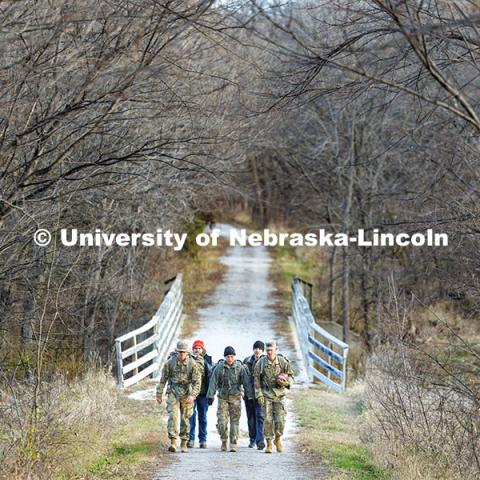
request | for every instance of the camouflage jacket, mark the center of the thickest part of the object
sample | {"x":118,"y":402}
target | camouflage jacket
{"x":184,"y":379}
{"x":265,"y":373}
{"x":229,"y":380}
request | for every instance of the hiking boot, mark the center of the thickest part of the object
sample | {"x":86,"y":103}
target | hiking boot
{"x":269,"y":446}
{"x":203,"y":444}
{"x":251,"y":444}
{"x":278,"y":443}
{"x":183,"y":446}
{"x":191,"y":443}
{"x":173,"y":445}
{"x":261,"y":445}
{"x":224,"y":446}
{"x":233,"y":447}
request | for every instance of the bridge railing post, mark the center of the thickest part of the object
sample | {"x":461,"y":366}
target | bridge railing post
{"x":325,"y":355}
{"x":119,"y":362}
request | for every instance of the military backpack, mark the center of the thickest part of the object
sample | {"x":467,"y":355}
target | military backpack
{"x":198,"y":360}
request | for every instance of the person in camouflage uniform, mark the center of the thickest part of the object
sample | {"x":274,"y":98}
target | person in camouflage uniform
{"x":230,"y":378}
{"x":272,"y":375}
{"x":183,"y":376}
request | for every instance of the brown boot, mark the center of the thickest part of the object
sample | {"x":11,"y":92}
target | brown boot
{"x":269,"y":446}
{"x":233,"y":446}
{"x":278,"y":443}
{"x":224,"y":445}
{"x":173,"y":445}
{"x":183,"y":446}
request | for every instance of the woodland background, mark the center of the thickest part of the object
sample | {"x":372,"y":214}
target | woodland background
{"x":134,"y":115}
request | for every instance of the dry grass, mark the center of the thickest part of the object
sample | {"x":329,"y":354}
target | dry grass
{"x":328,"y":424}
{"x":429,"y":323}
{"x":89,"y":430}
{"x":69,"y":417}
{"x":137,"y":445}
{"x":423,"y":416}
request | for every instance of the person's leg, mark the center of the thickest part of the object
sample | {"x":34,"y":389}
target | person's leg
{"x":222,"y":419}
{"x":172,"y":424}
{"x":268,"y":424}
{"x":235,"y":410}
{"x":202,"y":407}
{"x":268,"y":419}
{"x":279,"y":422}
{"x":279,"y":414}
{"x":172,"y":410}
{"x":193,"y":423}
{"x":250,"y":409}
{"x":259,"y":418}
{"x":186,"y":410}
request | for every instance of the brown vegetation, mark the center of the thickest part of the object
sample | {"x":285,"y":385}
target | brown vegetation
{"x":132,"y":116}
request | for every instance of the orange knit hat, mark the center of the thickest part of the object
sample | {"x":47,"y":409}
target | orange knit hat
{"x":198,"y":343}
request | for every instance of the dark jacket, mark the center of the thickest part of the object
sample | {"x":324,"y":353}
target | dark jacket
{"x":207,"y":373}
{"x":249,"y":363}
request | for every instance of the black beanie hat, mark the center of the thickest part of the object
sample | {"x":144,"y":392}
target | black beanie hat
{"x":229,"y":351}
{"x":259,"y":344}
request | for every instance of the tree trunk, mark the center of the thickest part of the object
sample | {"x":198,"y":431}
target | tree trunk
{"x":345,"y":295}
{"x":365,"y":303}
{"x":258,"y":191}
{"x":346,"y":229}
{"x":331,"y":282}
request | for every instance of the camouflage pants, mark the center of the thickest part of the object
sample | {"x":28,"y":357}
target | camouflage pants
{"x":230,"y":408}
{"x":274,"y":423}
{"x":175,"y":408}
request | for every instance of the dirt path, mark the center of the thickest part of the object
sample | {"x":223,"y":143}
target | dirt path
{"x":242,"y":310}
{"x":212,"y":464}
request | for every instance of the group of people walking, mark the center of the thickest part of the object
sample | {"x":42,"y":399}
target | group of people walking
{"x":192,"y":381}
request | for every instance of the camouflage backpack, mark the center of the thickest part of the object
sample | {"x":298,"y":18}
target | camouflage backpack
{"x":197,"y":358}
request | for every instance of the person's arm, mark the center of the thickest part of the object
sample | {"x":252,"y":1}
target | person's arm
{"x":256,"y":383}
{"x":208,"y":371}
{"x":212,"y":386}
{"x":289,"y":372}
{"x":196,"y":380}
{"x":247,"y":383}
{"x":163,"y":381}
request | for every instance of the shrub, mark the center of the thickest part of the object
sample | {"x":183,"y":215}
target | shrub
{"x":45,"y":426}
{"x":423,"y":406}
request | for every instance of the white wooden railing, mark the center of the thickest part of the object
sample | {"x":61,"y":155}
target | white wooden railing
{"x":151,"y":342}
{"x":324,"y":355}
